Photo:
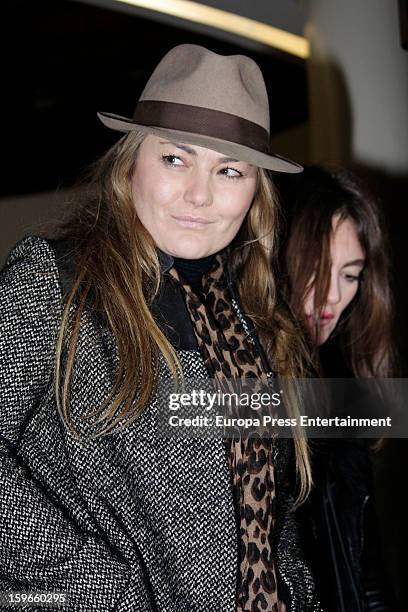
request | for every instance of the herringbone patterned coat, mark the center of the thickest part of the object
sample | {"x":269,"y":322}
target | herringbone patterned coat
{"x":131,"y":522}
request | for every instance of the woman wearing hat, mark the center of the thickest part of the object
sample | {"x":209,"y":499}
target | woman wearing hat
{"x":164,"y":271}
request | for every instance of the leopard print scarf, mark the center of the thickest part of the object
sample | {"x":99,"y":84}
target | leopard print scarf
{"x":229,"y":354}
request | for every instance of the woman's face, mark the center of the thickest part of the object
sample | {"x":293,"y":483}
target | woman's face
{"x":347,"y":258}
{"x":192,"y":200}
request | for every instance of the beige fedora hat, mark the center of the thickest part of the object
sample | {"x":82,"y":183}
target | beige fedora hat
{"x":196,"y":96}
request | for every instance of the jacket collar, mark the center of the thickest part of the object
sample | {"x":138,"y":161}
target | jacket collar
{"x":166,"y":261}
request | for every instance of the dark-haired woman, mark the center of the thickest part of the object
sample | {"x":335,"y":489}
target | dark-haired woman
{"x":164,"y":270}
{"x":338,"y":286}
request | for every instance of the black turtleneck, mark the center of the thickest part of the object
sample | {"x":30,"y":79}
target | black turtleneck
{"x":192,"y":270}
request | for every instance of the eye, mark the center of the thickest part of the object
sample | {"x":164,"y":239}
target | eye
{"x":351,"y":278}
{"x":233,"y":173}
{"x":172,"y":160}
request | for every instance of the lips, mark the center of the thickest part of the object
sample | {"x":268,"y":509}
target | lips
{"x":324,"y":319}
{"x":189,"y":218}
{"x":327,"y":316}
{"x":192,"y":222}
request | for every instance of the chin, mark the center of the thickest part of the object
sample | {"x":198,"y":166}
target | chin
{"x":190,"y":249}
{"x":323,"y":337}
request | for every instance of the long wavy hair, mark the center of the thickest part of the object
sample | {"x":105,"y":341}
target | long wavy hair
{"x":117,"y":266}
{"x":364,"y":330}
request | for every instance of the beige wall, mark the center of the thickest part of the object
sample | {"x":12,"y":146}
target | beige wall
{"x":358,"y":79}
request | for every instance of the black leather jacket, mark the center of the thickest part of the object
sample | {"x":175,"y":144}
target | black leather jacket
{"x":341,"y":529}
{"x":344,"y":536}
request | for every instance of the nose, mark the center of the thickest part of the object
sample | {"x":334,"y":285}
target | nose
{"x":198,"y":191}
{"x":334,"y":295}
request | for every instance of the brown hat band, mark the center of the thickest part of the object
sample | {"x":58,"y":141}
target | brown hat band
{"x":200,"y":120}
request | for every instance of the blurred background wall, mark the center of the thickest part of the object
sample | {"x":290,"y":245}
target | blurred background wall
{"x":337,"y":78}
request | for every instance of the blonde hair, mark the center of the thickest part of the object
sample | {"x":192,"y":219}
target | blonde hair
{"x":117,"y":263}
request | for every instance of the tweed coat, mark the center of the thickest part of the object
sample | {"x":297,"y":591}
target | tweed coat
{"x":132,"y":521}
